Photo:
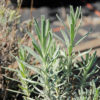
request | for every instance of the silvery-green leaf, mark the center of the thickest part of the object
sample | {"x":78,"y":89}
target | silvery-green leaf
{"x":10,"y":90}
{"x":33,"y":53}
{"x":11,"y":79}
{"x":10,"y":69}
{"x":33,"y":82}
{"x":65,"y":36}
{"x":82,"y":54}
{"x":82,"y":38}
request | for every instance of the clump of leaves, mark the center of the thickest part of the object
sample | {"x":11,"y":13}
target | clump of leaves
{"x":60,"y":76}
{"x":9,"y":23}
{"x":89,"y":94}
{"x":8,"y":18}
{"x":8,"y":42}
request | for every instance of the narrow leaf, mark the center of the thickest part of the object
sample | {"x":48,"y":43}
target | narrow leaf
{"x":33,"y":53}
{"x":82,"y":38}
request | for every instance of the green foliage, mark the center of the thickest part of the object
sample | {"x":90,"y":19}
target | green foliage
{"x":91,"y":94}
{"x":7,"y":15}
{"x":60,"y":76}
{"x":9,"y":19}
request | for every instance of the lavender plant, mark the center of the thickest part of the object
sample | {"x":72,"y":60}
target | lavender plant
{"x":9,"y":19}
{"x":60,"y":76}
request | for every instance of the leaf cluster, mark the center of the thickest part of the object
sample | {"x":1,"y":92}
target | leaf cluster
{"x":60,"y":76}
